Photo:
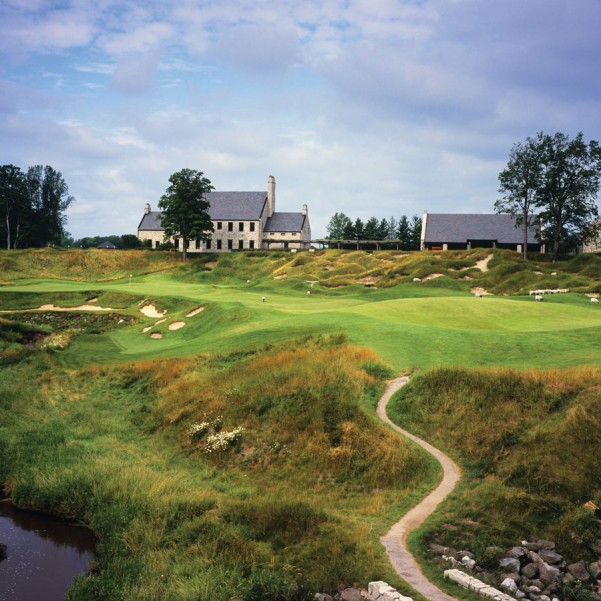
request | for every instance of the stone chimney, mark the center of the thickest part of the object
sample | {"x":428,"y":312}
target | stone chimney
{"x":147,"y":208}
{"x":304,"y":210}
{"x":270,"y":195}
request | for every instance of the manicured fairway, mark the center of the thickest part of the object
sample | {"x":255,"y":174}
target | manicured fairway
{"x":440,"y":327}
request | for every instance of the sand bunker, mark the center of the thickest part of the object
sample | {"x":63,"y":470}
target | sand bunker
{"x":480,"y":292}
{"x":80,"y":308}
{"x":483,"y":264}
{"x":195,"y":312}
{"x":281,"y":277}
{"x":432,"y":276}
{"x":151,"y":311}
{"x":156,"y":335}
{"x":177,"y":325}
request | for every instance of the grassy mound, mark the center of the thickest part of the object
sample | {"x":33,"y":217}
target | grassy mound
{"x":85,"y":265}
{"x":180,"y":516}
{"x":527,"y":440}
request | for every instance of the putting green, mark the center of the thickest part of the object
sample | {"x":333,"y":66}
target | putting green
{"x":441,"y":328}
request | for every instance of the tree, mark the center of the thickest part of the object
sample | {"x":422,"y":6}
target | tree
{"x":415,"y":228}
{"x":393,"y":225}
{"x":558,"y":176}
{"x":570,"y":184}
{"x":521,"y":186}
{"x":49,"y":199}
{"x":371,"y":231}
{"x":185,"y":209}
{"x":14,"y":204}
{"x":359,"y":229}
{"x":337,"y":225}
{"x":403,"y":233}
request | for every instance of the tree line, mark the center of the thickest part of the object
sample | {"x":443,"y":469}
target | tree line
{"x":406,"y":231}
{"x":32,"y":206}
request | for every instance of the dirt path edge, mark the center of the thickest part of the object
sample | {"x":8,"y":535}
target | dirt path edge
{"x":395,"y":539}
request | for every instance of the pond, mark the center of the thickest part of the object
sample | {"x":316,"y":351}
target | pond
{"x":44,"y":554}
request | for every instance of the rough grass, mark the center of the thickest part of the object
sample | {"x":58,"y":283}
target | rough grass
{"x":85,"y":265}
{"x":312,"y":471}
{"x":508,"y":273}
{"x":527,"y":440}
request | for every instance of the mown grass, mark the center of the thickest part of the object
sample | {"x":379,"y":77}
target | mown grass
{"x":526,"y":440}
{"x":313,"y":472}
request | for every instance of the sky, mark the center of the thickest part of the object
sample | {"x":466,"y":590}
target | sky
{"x":367,"y":107}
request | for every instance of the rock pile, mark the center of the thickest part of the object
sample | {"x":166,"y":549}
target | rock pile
{"x":376,"y":591}
{"x":534,"y":571}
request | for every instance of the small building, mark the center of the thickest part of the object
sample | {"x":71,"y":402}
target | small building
{"x":454,"y":231}
{"x":241,"y":220}
{"x":107,"y":244}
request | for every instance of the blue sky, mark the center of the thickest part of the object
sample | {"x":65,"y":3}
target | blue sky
{"x":369,"y":107}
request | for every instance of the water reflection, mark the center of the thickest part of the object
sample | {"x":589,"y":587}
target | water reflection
{"x":44,"y":554}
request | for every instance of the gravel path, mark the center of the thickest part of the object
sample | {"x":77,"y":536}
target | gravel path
{"x":394,"y":540}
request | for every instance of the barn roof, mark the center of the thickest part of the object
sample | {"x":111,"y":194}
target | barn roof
{"x":447,"y":227}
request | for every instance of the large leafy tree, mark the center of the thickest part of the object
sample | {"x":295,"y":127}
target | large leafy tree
{"x":570,"y":185}
{"x":558,"y":177}
{"x":184,"y":208}
{"x":521,"y":186}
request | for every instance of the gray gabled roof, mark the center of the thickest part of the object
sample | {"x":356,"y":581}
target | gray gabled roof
{"x":444,"y":227}
{"x":224,"y":206}
{"x":236,"y":206}
{"x":285,"y":222}
{"x":151,"y":222}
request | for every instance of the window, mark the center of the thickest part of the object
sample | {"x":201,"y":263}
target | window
{"x":218,"y":244}
{"x":157,"y":244}
{"x":176,"y":243}
{"x":252,"y":226}
{"x":219,"y":225}
{"x":197,"y":243}
{"x":241,"y":226}
{"x":230,"y":244}
{"x":208,"y":244}
{"x":240,"y":244}
{"x":251,"y":243}
{"x":230,"y":226}
{"x":285,"y":244}
{"x":283,"y":234}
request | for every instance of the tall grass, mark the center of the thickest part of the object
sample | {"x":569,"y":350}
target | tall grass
{"x":526,"y":439}
{"x":110,"y":446}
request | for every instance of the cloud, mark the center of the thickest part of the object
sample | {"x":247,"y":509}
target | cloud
{"x":264,"y":50}
{"x":134,"y":74}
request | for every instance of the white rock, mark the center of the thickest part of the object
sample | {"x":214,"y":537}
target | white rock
{"x":509,"y":585}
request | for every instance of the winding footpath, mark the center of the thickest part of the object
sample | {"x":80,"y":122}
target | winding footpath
{"x":394,"y":540}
